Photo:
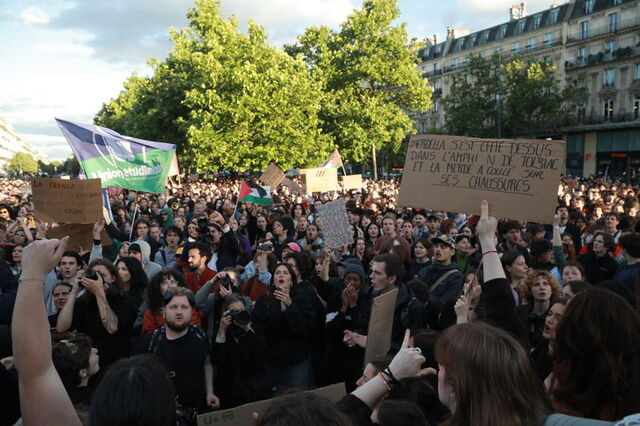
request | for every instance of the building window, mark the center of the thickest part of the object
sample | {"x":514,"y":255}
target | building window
{"x":588,"y":6}
{"x":609,"y":77}
{"x":609,"y":48}
{"x":582,"y":55}
{"x":607,"y":109}
{"x":532,"y":44}
{"x":584,"y":29}
{"x":617,"y":2}
{"x":498,"y":50}
{"x":473,"y":40}
{"x":582,"y":110}
{"x":548,"y":39}
{"x":485,"y":36}
{"x":636,"y":108}
{"x":637,"y":74}
{"x":456,"y":63}
{"x":517,"y":46}
{"x":503,"y":31}
{"x":536,"y":21}
{"x":521,"y":24}
{"x":436,"y":106}
{"x":613,"y":22}
{"x":554,"y":15}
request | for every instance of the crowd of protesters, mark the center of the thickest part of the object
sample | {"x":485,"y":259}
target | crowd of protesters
{"x":201,"y":303}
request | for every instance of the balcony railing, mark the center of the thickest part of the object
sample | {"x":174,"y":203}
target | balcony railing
{"x":429,"y":74}
{"x":597,"y":58}
{"x":612,"y":118}
{"x":576,"y":33}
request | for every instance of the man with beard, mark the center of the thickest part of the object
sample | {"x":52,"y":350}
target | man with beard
{"x":199,"y":273}
{"x":184,"y":350}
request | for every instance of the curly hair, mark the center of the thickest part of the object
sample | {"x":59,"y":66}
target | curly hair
{"x":525,"y":290}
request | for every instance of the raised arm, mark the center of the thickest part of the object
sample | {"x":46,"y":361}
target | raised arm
{"x":487,"y":226}
{"x":43,"y":399}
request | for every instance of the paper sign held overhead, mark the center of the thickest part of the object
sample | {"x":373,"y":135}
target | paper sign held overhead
{"x":518,"y":177}
{"x":334,"y":223}
{"x":292,"y":185}
{"x":320,"y":179}
{"x":272,"y":176}
{"x":351,"y":182}
{"x":71,"y":201}
{"x":80,"y":236}
{"x":380,"y":326}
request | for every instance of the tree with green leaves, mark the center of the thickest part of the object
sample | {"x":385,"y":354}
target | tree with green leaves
{"x":368,"y":70}
{"x":23,"y":162}
{"x":228,"y":100}
{"x":518,"y":97}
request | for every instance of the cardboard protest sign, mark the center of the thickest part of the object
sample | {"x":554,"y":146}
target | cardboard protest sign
{"x":380,"y":325}
{"x":319,"y":180}
{"x":518,"y":177}
{"x":80,"y":235}
{"x":72,"y":201}
{"x":352,"y":182}
{"x":272,"y":176}
{"x":292,"y":185}
{"x":243,"y":415}
{"x":334,"y":224}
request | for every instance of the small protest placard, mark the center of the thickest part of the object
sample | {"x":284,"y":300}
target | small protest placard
{"x":352,"y":182}
{"x":243,"y":415}
{"x":319,"y":180}
{"x":518,"y":177}
{"x":80,"y":235}
{"x":334,"y":224}
{"x":272,"y":176}
{"x":380,"y":325}
{"x":71,"y":201}
{"x":292,"y":185}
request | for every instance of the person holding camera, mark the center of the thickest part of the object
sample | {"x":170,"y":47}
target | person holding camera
{"x":104,"y":311}
{"x":240,"y":354}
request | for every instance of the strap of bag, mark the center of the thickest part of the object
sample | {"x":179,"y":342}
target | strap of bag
{"x":442,"y":278}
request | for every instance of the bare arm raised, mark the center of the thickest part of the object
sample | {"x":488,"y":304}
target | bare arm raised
{"x":43,"y":399}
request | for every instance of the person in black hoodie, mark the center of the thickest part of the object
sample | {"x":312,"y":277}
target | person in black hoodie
{"x":598,"y":263}
{"x":285,"y":317}
{"x":386,"y":271}
{"x":443,"y":278}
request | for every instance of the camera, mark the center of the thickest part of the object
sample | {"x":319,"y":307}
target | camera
{"x":203,"y":227}
{"x":240,"y":317}
{"x":226,"y":282}
{"x":265,"y":246}
{"x":91,"y":274}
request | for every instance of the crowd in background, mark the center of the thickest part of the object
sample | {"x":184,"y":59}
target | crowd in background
{"x":509,"y":321}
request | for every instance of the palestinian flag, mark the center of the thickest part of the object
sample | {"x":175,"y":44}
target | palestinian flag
{"x":333,"y":162}
{"x":251,"y":192}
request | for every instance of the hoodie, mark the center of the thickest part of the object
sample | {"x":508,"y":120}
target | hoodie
{"x":150,"y":268}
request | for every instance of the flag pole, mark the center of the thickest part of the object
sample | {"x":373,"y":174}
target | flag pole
{"x":133,"y":221}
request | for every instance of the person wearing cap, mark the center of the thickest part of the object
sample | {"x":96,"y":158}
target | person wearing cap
{"x":141,"y":251}
{"x":443,"y":278}
{"x":290,"y":248}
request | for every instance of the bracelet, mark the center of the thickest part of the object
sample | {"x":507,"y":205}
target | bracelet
{"x":386,"y":381}
{"x":394,"y":381}
{"x":489,"y":251}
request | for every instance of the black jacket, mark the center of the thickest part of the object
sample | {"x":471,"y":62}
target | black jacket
{"x":598,"y":269}
{"x":288,"y":332}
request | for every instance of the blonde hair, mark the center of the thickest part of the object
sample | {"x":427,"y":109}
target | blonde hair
{"x":525,"y":290}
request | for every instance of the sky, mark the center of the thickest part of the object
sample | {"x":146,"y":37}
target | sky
{"x":64,"y":59}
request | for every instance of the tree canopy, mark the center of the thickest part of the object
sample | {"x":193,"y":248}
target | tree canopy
{"x":230,"y":100}
{"x":532,"y":99}
{"x":23,"y":162}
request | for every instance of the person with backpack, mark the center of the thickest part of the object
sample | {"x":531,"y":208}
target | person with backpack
{"x":184,"y":350}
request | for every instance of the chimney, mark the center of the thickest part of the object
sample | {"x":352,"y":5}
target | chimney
{"x":435,"y":39}
{"x":517,"y":11}
{"x":453,"y":33}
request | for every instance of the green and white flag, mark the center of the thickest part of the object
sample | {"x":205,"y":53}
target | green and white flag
{"x":253,"y":193}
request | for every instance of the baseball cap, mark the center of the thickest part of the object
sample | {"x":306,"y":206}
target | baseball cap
{"x":444,"y":239}
{"x":294,"y":247}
